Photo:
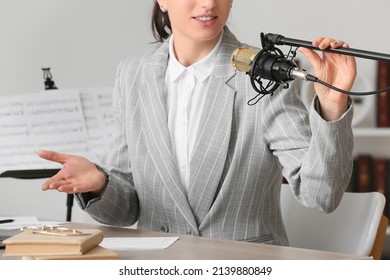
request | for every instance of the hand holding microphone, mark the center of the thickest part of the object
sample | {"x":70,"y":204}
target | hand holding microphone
{"x":271,"y":64}
{"x":334,"y":69}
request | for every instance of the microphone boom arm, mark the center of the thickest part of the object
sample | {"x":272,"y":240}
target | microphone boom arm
{"x":275,"y":39}
{"x":270,"y":64}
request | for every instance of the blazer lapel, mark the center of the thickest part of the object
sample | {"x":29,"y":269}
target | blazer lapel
{"x":153,"y":100}
{"x":210,"y":152}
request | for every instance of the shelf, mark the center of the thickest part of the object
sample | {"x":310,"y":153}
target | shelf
{"x":371,"y":132}
{"x":372,"y":140}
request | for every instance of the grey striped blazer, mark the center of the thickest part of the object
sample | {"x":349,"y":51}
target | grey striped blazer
{"x":236,"y":168}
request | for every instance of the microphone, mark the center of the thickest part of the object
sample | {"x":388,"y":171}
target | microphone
{"x":271,"y":64}
{"x":266,"y":65}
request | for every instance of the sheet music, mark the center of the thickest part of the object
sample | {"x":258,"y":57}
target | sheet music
{"x":97,"y":108}
{"x":47,"y":120}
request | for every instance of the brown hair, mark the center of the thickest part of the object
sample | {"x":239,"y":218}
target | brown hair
{"x":161,"y":25}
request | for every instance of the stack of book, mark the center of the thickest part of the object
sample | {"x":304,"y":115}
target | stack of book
{"x":383,"y":99}
{"x":371,"y":174}
{"x":58,"y":244}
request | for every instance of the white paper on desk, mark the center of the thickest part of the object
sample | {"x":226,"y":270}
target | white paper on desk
{"x":19,"y":222}
{"x":137,"y":243}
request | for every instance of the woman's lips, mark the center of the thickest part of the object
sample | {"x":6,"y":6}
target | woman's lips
{"x":205,"y":20}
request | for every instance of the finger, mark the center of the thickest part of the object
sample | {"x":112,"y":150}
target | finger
{"x":348,"y":58}
{"x":68,"y":188}
{"x":71,"y":188}
{"x":62,"y":186}
{"x":53,"y":185}
{"x":75,"y":188}
{"x":312,"y":56}
{"x":82,"y":188}
{"x":317,"y":41}
{"x":322,"y":42}
{"x":53,"y":156}
{"x":56,"y":177}
{"x":46,"y":184}
{"x":337,"y":44}
{"x":325,"y":43}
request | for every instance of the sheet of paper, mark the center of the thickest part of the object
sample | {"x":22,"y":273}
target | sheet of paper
{"x":137,"y":243}
{"x":19,"y":222}
{"x":28,"y":221}
{"x":97,"y":109}
{"x":47,"y":120}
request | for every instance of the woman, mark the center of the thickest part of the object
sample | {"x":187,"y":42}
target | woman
{"x":189,"y":156}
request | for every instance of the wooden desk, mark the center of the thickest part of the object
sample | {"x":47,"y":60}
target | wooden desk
{"x":191,"y":248}
{"x":201,"y":248}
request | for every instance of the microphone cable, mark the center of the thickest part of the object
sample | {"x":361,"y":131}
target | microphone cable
{"x":314,"y":79}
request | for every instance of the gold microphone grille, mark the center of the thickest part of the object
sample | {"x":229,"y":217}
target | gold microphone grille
{"x":242,"y":59}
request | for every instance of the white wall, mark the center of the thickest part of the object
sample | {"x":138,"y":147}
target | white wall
{"x":83,"y":41}
{"x":25,"y":198}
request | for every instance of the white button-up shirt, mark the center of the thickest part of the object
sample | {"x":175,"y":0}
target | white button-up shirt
{"x":186,"y":92}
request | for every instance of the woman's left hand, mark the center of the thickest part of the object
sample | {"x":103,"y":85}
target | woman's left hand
{"x":335,"y":69}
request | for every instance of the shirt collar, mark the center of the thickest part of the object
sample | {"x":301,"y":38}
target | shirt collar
{"x":201,"y":69}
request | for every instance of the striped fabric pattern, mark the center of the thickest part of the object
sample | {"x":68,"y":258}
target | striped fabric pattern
{"x":241,"y":154}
